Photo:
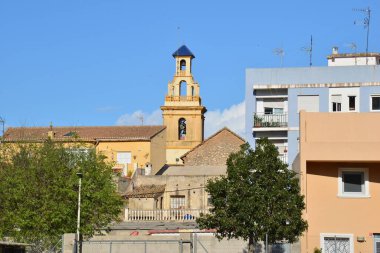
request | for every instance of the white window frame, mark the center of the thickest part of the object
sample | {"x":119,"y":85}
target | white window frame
{"x":343,"y":194}
{"x":349,"y":236}
{"x":370,"y":102}
{"x":177,"y":202}
{"x":127,"y":153}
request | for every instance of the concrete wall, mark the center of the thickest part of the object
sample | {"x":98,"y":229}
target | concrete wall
{"x":138,"y":241}
{"x":162,"y":243}
{"x":329,"y":142}
{"x":330,"y":214}
{"x":142,"y":203}
{"x":365,"y":97}
{"x":192,"y":187}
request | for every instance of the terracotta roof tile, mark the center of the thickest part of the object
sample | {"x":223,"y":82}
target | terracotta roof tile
{"x":211,"y":137}
{"x":146,"y":191}
{"x":85,"y":133}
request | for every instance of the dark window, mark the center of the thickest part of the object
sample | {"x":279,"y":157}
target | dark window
{"x":353,"y":182}
{"x":183,"y":65}
{"x":337,"y":107}
{"x":268,"y":110}
{"x":181,"y":129}
{"x":376,"y":103}
{"x":351,"y":103}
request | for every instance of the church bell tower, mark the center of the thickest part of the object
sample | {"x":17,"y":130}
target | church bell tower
{"x":183,"y":113}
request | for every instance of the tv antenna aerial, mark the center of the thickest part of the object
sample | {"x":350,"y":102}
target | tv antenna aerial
{"x":2,"y":121}
{"x":309,"y":51}
{"x":365,"y":22}
{"x":352,"y":46}
{"x":280,"y":52}
{"x":140,"y":117}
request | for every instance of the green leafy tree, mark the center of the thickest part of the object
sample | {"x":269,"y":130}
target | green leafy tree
{"x":259,"y":196}
{"x":39,"y":193}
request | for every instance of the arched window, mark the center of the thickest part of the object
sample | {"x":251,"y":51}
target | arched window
{"x":182,"y":85}
{"x":182,"y":65}
{"x":181,"y":129}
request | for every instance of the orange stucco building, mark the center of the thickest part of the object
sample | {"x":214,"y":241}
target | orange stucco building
{"x":340,"y":179}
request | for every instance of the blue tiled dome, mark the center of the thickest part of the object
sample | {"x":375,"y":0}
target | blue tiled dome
{"x":183,"y":51}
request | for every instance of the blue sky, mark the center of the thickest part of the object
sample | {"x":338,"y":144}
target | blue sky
{"x":93,"y":62}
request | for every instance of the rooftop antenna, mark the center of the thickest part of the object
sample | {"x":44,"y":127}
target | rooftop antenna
{"x":140,"y":116}
{"x":279,"y":52}
{"x":309,"y":51}
{"x":366,"y":22}
{"x":352,"y":46}
{"x":179,"y":35}
{"x":2,"y":121}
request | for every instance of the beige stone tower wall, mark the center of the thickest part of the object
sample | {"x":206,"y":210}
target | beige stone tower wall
{"x":182,"y":102}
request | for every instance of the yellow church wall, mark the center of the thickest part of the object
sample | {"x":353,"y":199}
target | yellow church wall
{"x":140,"y":152}
{"x":172,"y":154}
{"x":158,"y":151}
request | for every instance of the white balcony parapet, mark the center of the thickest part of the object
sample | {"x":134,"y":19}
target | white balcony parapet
{"x":164,"y":215}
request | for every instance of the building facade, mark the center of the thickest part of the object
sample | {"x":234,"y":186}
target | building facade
{"x":275,"y":96}
{"x":340,"y":153}
{"x":127,"y":147}
{"x":178,"y":192}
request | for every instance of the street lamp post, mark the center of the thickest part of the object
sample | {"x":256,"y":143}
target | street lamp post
{"x":80,"y":175}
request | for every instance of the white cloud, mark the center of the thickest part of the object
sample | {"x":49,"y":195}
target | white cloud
{"x":232,"y":117}
{"x":154,"y":118}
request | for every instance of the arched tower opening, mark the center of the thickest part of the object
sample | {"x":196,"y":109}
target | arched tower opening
{"x":182,"y":87}
{"x":182,"y":65}
{"x":181,"y":129}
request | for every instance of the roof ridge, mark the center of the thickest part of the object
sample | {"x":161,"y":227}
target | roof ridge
{"x":212,"y":136}
{"x":42,"y":127}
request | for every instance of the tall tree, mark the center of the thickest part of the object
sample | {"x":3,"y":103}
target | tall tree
{"x":258,"y":197}
{"x":39,"y":192}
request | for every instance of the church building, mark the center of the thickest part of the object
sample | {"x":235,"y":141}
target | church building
{"x":182,"y":112}
{"x":147,"y":148}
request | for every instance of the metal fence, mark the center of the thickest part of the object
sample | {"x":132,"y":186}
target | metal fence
{"x":270,"y":120}
{"x":137,"y":246}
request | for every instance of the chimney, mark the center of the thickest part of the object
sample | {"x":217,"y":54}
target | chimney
{"x":335,"y":50}
{"x":51,"y":132}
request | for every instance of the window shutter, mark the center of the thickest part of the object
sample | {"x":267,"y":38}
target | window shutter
{"x":308,"y":103}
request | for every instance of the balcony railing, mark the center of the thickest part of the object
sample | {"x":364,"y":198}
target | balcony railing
{"x":283,"y":158}
{"x":270,"y":120}
{"x":164,"y":215}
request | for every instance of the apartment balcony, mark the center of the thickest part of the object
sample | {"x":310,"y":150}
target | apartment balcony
{"x":164,"y":214}
{"x":262,"y":120}
{"x":283,"y":158}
